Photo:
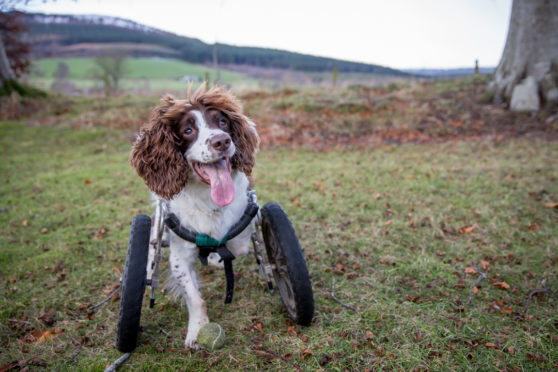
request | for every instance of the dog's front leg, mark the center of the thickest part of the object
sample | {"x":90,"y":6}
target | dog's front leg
{"x":240,"y":245}
{"x":183,"y":266}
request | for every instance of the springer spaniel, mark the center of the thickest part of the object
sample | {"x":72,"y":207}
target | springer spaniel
{"x":197,"y":154}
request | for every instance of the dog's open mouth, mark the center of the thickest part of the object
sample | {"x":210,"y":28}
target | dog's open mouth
{"x":218,"y":176}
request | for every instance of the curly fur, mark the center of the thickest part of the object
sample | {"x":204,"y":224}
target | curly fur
{"x":156,"y":154}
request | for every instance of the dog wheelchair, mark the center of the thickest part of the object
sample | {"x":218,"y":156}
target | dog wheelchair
{"x":275,"y":246}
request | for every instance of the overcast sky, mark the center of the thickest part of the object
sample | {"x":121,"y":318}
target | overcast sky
{"x":393,"y":33}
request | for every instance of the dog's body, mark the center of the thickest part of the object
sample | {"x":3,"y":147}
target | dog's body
{"x":198,"y":155}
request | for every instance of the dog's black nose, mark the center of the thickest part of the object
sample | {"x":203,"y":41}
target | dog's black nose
{"x":221,"y":142}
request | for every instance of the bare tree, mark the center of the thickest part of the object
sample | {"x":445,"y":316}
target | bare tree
{"x":527,"y":75}
{"x":111,"y":69}
{"x":14,"y":52}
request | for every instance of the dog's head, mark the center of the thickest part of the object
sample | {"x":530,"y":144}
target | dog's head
{"x":205,"y":136}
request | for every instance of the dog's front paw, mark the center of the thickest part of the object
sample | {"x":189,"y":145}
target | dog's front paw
{"x":191,"y":344}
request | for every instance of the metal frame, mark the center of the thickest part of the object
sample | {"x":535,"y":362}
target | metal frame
{"x":265,"y":268}
{"x":155,"y":251}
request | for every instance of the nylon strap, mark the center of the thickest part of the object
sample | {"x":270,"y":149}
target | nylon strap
{"x":203,"y":240}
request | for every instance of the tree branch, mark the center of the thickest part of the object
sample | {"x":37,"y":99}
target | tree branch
{"x":73,"y":357}
{"x":117,"y":363}
{"x":105,"y":300}
{"x":338,"y":300}
{"x":481,"y":277}
{"x":530,"y":299}
{"x":260,"y":349}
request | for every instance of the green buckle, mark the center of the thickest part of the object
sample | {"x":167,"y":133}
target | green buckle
{"x":203,"y":240}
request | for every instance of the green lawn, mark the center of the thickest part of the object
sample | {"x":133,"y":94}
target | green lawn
{"x":397,"y":228}
{"x":154,"y":73}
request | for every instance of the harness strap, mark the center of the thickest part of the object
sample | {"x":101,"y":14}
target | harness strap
{"x":226,"y":256}
{"x":207,"y":245}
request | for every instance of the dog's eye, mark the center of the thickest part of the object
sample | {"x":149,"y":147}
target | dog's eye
{"x":188,"y":131}
{"x":222,"y":122}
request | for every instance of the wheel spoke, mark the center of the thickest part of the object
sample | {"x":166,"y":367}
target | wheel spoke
{"x":281,"y":274}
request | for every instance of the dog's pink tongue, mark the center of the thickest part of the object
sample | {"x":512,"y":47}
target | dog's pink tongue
{"x":222,"y":188}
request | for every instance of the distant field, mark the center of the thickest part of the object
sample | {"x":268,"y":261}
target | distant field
{"x":152,"y":73}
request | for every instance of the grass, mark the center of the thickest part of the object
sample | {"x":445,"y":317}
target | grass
{"x":396,"y":228}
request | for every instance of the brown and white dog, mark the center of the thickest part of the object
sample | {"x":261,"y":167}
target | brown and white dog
{"x":198,"y":154}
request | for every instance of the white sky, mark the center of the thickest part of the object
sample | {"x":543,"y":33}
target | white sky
{"x":393,"y":33}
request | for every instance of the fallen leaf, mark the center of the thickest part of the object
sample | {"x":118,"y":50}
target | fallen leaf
{"x":470,"y":270}
{"x":49,"y":317}
{"x":485,"y":265}
{"x":305,"y":353}
{"x":87,"y":182}
{"x":533,"y":357}
{"x":292,"y":331}
{"x":506,"y":310}
{"x":318,"y":186}
{"x":44,"y":230}
{"x":101,"y":233}
{"x":9,"y":367}
{"x":532,"y":227}
{"x":467,"y":229}
{"x":501,"y":285}
{"x":24,"y":223}
{"x":325,"y":359}
{"x":298,"y":204}
{"x":475,"y":290}
{"x":511,"y":349}
{"x":414,"y":298}
{"x":369,"y":335}
{"x":41,"y":335}
{"x":491,"y":345}
{"x":47,"y":335}
{"x":551,"y":205}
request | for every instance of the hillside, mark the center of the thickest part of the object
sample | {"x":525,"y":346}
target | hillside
{"x":75,"y":36}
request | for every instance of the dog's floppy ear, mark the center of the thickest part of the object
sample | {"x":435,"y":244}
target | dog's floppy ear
{"x":247,"y":141}
{"x":156,"y":154}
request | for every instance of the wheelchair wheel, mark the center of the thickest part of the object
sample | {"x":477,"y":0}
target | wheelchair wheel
{"x":133,"y":284}
{"x":288,"y":265}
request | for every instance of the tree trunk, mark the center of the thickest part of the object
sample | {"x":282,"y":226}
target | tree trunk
{"x":527,"y":75}
{"x":6,"y":73}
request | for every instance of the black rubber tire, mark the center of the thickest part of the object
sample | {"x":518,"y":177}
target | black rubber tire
{"x":133,"y":284}
{"x":283,"y":250}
